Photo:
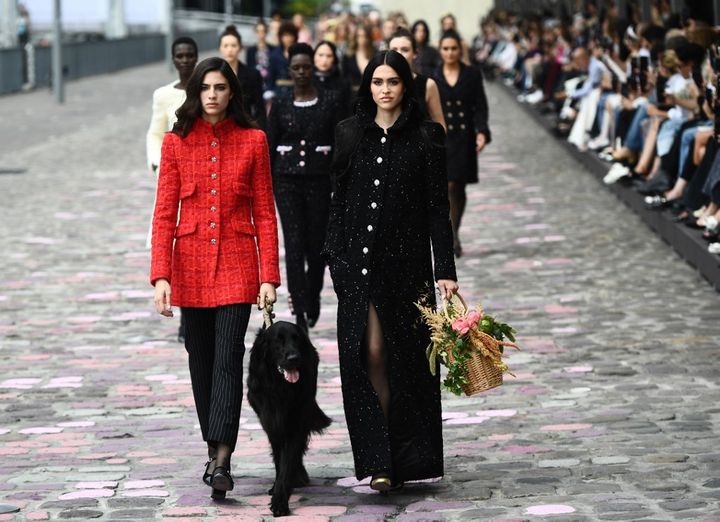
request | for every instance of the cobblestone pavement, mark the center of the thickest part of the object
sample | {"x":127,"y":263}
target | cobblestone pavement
{"x":613,"y":414}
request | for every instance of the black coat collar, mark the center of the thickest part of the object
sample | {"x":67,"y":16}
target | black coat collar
{"x":365,"y":113}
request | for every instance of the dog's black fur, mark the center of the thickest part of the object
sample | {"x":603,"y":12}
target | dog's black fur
{"x":288,"y":412}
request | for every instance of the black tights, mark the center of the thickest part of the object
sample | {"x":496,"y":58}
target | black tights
{"x":377,"y":360}
{"x":458,"y":199}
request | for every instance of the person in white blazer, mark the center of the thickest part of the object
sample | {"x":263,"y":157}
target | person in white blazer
{"x":166,"y":100}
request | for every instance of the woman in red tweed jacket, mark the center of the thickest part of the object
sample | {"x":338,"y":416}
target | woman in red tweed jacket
{"x":221,"y":254}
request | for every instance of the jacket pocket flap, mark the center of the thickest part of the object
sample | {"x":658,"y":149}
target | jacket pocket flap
{"x":183,"y":229}
{"x":243,"y":189}
{"x":243,"y":227}
{"x":187,"y":189}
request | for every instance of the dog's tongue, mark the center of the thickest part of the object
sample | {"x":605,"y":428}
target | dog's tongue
{"x":291,"y":376}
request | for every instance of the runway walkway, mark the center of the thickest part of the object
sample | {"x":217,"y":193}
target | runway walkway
{"x":613,"y":414}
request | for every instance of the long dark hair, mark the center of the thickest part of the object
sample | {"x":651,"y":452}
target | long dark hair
{"x":369,"y":46}
{"x":191,"y":109}
{"x":427,"y":32}
{"x":392,"y":59}
{"x":332,"y":47}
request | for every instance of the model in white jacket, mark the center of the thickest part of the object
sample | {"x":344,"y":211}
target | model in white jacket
{"x":168,"y":99}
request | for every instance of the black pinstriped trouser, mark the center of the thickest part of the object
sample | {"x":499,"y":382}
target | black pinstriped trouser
{"x":215,"y":342}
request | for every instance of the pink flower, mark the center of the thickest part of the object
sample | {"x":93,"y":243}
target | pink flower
{"x":473,"y":318}
{"x":461,"y":326}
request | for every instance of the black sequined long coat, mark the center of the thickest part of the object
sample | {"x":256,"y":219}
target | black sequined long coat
{"x":390,"y":206}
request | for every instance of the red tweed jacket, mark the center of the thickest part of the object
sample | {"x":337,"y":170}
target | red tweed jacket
{"x":225,"y":241}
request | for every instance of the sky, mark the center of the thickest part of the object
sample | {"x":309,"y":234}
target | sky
{"x":90,"y":13}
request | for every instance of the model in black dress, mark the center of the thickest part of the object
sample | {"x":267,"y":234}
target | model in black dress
{"x":426,"y":90}
{"x":427,"y":58}
{"x":300,"y":135}
{"x":390,"y":206}
{"x":250,"y":79}
{"x":328,"y":77}
{"x":462,"y":94}
{"x":360,"y":52}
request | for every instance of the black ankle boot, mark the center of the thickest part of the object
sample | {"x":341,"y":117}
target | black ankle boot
{"x":313,"y":313}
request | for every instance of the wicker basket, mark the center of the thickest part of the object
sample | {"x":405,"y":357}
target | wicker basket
{"x":482,"y":374}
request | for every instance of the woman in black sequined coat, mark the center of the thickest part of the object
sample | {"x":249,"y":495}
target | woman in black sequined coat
{"x":390,"y":206}
{"x":300,"y":131}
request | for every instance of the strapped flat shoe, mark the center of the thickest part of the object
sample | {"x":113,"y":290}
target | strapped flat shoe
{"x":221,"y":479}
{"x":661,"y":202}
{"x":206,"y":475}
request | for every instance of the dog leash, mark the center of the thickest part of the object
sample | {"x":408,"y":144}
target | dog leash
{"x":268,"y":314}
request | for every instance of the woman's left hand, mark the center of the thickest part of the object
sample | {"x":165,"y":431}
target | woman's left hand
{"x":447,"y":288}
{"x":480,"y":142}
{"x":267,"y":294}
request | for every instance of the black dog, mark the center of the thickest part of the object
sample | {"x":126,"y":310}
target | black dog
{"x":282,"y":382}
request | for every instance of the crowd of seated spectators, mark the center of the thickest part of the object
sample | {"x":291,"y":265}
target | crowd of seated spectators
{"x":643,"y":96}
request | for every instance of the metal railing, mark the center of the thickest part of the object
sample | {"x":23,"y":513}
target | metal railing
{"x":187,"y":16}
{"x":21,"y":69}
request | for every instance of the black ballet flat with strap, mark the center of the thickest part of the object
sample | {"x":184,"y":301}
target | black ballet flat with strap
{"x":207,"y":477}
{"x":221,"y":479}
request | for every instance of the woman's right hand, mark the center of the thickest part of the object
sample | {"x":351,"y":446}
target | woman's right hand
{"x":447,"y":288}
{"x":162,"y":298}
{"x":480,"y":142}
{"x":267,"y":295}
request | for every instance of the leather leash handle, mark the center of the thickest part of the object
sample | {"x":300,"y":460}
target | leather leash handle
{"x":268,"y":314}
